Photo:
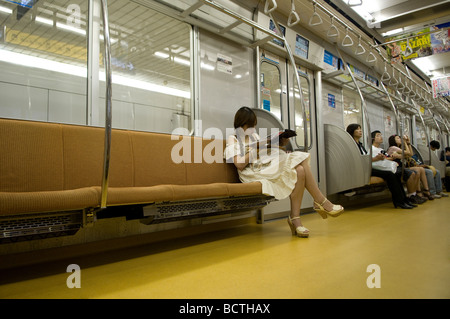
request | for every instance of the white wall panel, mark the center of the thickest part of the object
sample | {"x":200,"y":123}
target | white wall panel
{"x":21,"y":102}
{"x":67,"y":108}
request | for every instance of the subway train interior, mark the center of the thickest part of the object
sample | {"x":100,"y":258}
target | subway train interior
{"x":114,"y":118}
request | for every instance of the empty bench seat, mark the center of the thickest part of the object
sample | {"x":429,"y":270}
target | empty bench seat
{"x":49,"y":167}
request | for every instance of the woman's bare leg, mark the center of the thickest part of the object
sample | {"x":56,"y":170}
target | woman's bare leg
{"x":313,"y":189}
{"x":296,"y":196}
{"x":423,"y":177}
{"x":412,"y":182}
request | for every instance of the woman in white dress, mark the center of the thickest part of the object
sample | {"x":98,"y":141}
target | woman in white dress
{"x":281,"y":174}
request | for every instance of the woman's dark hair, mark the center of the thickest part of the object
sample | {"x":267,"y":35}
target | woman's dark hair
{"x":351,"y":128}
{"x":244,"y":116}
{"x":392,"y":141}
{"x":435,"y":144}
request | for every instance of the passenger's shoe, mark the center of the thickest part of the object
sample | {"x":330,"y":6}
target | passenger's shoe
{"x":299,"y":231}
{"x":415,"y":199}
{"x":403,"y":205}
{"x":410,"y":203}
{"x":443,"y":194}
{"x":337,"y":210}
{"x":437,"y":195}
{"x":427,"y":194}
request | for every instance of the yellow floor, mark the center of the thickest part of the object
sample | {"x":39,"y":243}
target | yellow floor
{"x":412,"y":248}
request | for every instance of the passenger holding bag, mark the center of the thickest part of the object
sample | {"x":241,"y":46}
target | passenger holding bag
{"x":381,"y":162}
{"x":395,"y":143}
{"x":386,"y":167}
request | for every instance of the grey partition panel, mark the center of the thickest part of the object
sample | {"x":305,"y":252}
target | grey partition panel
{"x":423,"y":152}
{"x":346,"y":167}
{"x":424,"y":155}
{"x":438,"y":164}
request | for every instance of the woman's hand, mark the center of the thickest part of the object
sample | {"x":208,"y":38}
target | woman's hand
{"x":378,"y":157}
{"x":406,"y":139}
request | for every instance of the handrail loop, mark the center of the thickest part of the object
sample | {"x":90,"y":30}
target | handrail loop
{"x":394,"y":84}
{"x":315,"y":15}
{"x":347,"y":38}
{"x":371,"y":58}
{"x":266,"y":6}
{"x":293,"y":15}
{"x":333,"y":27}
{"x":108,"y":105}
{"x":360,"y":49}
{"x":385,"y":76}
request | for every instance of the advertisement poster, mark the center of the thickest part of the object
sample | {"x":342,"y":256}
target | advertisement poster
{"x":331,"y":61}
{"x":224,"y":64}
{"x":301,"y":46}
{"x":441,"y":86}
{"x":331,"y":101}
{"x":418,"y":46}
{"x":274,"y":29}
{"x":440,"y":41}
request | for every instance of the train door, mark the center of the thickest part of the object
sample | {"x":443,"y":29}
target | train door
{"x":279,"y":95}
{"x":273,"y":85}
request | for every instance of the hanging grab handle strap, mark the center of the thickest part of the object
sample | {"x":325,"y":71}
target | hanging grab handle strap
{"x":266,"y":7}
{"x":293,"y":16}
{"x":315,"y":16}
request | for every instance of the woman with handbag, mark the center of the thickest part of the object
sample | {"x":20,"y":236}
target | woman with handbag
{"x":281,"y":174}
{"x":395,"y":151}
{"x":385,"y":172}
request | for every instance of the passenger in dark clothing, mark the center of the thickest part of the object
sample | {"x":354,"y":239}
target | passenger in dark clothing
{"x":393,"y":181}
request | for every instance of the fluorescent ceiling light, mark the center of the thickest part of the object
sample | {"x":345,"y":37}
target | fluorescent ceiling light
{"x":208,"y":67}
{"x":5,"y":10}
{"x":70,"y":28}
{"x":44,"y":20}
{"x":392,"y":32}
{"x":182,"y":61}
{"x":160,"y":54}
{"x":41,"y":63}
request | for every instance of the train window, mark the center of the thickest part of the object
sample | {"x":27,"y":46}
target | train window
{"x":271,"y":88}
{"x":151,"y":61}
{"x":43,"y":60}
{"x":421,"y":134}
{"x":46,"y":64}
{"x":352,"y":107}
{"x":299,"y":125}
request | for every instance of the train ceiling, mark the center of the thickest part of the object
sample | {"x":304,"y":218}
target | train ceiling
{"x":390,"y":15}
{"x":384,"y":19}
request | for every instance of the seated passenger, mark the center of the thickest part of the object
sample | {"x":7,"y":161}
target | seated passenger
{"x":281,"y":174}
{"x":395,"y":151}
{"x":433,"y":175}
{"x":446,"y":157}
{"x":392,"y":180}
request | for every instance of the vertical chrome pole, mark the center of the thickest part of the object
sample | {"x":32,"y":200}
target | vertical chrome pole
{"x":297,"y":77}
{"x":364,"y":112}
{"x":108,"y":106}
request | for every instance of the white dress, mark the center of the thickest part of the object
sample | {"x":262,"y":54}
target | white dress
{"x":275,"y":171}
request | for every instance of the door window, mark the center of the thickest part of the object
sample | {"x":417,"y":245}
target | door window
{"x":271,"y":88}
